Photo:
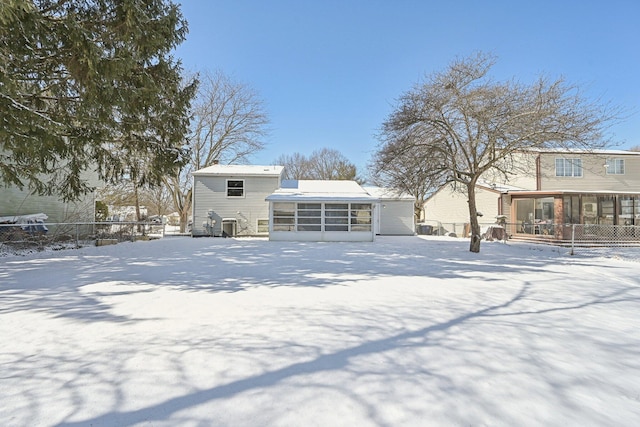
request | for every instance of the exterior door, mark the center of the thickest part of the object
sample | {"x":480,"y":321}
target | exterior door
{"x":229,"y":227}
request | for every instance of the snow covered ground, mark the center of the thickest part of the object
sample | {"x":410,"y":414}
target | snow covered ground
{"x":404,"y":331}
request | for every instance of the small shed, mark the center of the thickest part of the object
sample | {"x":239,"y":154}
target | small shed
{"x":312,"y":210}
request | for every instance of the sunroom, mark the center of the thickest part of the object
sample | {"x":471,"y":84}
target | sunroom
{"x":309,"y":210}
{"x":549,"y":213}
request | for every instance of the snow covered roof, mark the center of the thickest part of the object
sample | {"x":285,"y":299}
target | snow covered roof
{"x":317,"y":190}
{"x":239,"y":170}
{"x":502,"y":188}
{"x":388,"y":193}
{"x":572,"y":191}
{"x":582,"y":151}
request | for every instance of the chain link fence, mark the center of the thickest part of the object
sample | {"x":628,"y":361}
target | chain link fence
{"x":38,"y":236}
{"x":589,"y":239}
{"x":598,"y":238}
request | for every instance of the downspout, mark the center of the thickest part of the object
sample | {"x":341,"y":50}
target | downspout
{"x":538,"y":179}
{"x":193,"y":205}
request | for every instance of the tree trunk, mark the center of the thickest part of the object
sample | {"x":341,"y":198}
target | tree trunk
{"x":473,"y":219}
{"x":139,"y":227}
{"x":136,"y":198}
{"x":417,"y":211}
{"x":181,"y":201}
{"x":184,"y":220}
{"x":183,"y":210}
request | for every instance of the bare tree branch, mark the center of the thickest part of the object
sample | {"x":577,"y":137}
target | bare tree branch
{"x":325,"y":164}
{"x":462,"y":125}
{"x":229,"y":125}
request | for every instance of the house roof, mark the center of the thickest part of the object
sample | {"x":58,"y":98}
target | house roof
{"x":236,"y":170}
{"x":485,"y":185}
{"x":388,"y":193}
{"x":316,"y":190}
{"x":499,"y":187}
{"x":562,"y":192}
{"x":582,"y":151}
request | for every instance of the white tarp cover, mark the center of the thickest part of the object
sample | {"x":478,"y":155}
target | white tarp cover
{"x":23,"y":219}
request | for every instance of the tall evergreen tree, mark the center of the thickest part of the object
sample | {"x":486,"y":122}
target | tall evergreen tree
{"x":90,"y":84}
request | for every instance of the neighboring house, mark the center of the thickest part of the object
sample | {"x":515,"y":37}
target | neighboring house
{"x":126,"y":213}
{"x":563,"y":187}
{"x":14,"y":201}
{"x":173,"y":218}
{"x":233,"y":200}
{"x":450,"y":206}
{"x":229,"y":200}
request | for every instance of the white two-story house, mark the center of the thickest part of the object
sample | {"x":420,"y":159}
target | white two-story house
{"x":241,"y":200}
{"x":229,"y":200}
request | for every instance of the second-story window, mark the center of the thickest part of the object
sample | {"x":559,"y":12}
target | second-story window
{"x":235,"y":188}
{"x":569,"y":167}
{"x":615,"y":166}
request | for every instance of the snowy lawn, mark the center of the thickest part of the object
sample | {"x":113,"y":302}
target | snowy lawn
{"x":409,"y":331}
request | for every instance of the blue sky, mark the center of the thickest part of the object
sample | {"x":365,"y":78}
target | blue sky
{"x":329,"y":71}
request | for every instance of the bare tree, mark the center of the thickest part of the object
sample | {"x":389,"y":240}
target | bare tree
{"x":157,"y":199}
{"x":295,"y":166}
{"x":326,"y":164}
{"x":475,"y":126}
{"x":393,"y":166}
{"x":229,"y":124}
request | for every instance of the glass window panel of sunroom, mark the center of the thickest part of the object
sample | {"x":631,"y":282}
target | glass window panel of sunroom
{"x":284,"y":209}
{"x":336,"y":206}
{"x":334,"y":221}
{"x":336,"y":228}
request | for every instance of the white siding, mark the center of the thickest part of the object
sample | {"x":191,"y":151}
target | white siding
{"x":322,"y":236}
{"x":594,"y":174}
{"x":522,"y":169}
{"x":449,"y":206}
{"x":14,"y":201}
{"x":210,"y":194}
{"x":396,"y":218}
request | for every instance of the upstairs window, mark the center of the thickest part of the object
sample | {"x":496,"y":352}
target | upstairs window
{"x":235,"y":188}
{"x":569,"y":167}
{"x":615,"y":166}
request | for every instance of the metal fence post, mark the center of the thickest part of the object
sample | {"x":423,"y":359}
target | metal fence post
{"x":573,"y":237}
